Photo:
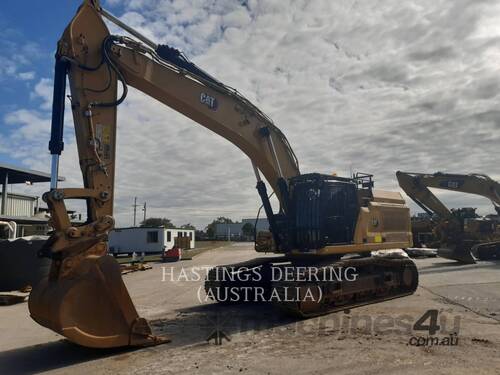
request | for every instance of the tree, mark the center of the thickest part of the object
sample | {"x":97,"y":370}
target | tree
{"x":188,"y":226}
{"x":157,"y":222}
{"x":219,"y":220}
{"x":247,"y":230}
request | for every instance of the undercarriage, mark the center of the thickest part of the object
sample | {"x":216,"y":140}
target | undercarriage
{"x":307,"y":288}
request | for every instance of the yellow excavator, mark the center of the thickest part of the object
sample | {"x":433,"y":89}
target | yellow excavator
{"x":321,"y":218}
{"x":460,"y":233}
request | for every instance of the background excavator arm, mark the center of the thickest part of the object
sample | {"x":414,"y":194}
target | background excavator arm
{"x":416,"y":186}
{"x":454,"y":242}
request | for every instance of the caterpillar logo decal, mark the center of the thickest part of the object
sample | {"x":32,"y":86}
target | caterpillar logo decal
{"x":209,"y":101}
{"x":452,"y":184}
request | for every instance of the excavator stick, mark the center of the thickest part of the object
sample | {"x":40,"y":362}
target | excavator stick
{"x":84,"y":297}
{"x":91,"y":306}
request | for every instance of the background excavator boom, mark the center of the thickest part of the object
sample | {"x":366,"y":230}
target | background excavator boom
{"x":449,"y":226}
{"x":416,"y":186}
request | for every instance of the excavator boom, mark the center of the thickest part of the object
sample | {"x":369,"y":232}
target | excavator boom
{"x":83,"y":277}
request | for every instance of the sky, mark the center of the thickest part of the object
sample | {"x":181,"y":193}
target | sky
{"x":368,"y":86}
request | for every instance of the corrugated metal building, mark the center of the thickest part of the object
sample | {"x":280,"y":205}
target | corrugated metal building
{"x":262,"y":223}
{"x":20,"y":205}
{"x":19,"y":208}
{"x":24,"y":211}
{"x":233,"y":231}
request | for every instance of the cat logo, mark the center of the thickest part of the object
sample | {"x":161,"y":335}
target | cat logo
{"x":209,"y":101}
{"x":452,"y":184}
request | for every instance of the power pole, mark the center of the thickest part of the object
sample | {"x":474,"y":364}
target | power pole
{"x":135,"y":210}
{"x":144,"y":209}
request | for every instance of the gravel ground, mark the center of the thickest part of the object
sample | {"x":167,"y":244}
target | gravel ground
{"x":372,"y":339}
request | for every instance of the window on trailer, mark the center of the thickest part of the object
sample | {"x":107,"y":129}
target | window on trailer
{"x":169,"y":236}
{"x":152,"y":237}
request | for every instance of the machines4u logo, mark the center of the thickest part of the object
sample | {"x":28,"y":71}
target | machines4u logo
{"x":430,"y":323}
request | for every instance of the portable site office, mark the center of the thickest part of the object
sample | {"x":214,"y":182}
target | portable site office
{"x":146,"y":239}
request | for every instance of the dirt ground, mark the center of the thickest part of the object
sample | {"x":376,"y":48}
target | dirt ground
{"x":262,"y":340}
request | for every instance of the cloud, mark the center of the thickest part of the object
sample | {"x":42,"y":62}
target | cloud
{"x":363,"y":86}
{"x":25,"y":138}
{"x":17,"y":55}
{"x":43,"y":90}
{"x":26,"y":76}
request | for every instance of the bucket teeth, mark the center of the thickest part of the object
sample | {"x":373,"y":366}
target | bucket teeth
{"x":141,"y":334}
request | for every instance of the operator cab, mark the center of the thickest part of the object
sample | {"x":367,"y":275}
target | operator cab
{"x":324,"y":209}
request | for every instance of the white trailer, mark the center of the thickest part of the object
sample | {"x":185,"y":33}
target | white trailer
{"x":146,"y":240}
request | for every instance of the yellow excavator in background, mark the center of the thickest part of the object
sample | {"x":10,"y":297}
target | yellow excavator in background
{"x":460,"y":233}
{"x":321,"y":217}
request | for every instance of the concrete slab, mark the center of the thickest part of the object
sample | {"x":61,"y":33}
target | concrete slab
{"x":374,"y":339}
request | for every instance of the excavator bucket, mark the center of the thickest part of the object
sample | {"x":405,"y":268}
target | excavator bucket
{"x":91,"y":306}
{"x":458,"y":253}
{"x":84,"y":297}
